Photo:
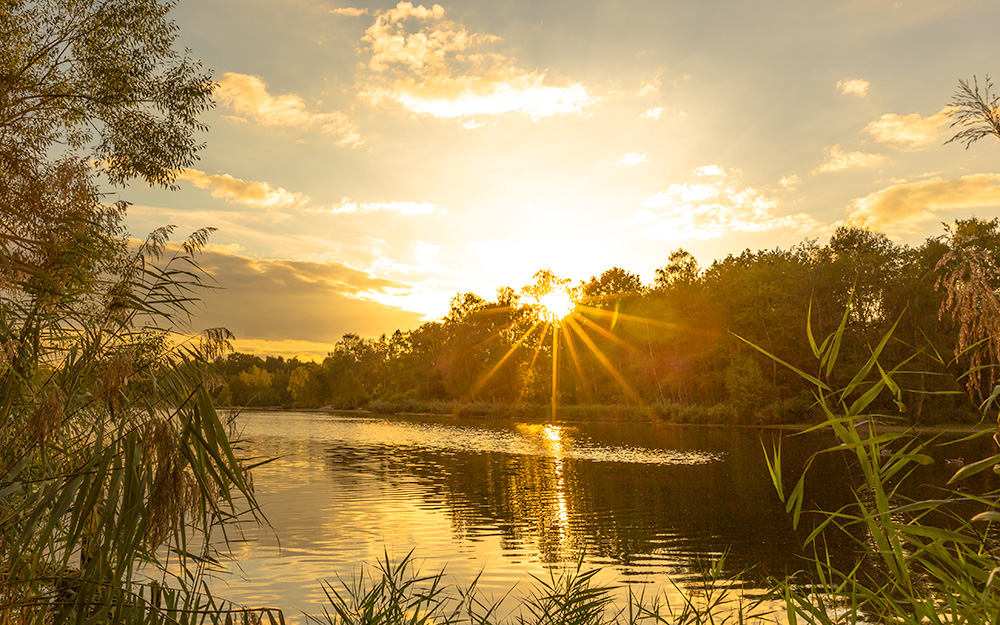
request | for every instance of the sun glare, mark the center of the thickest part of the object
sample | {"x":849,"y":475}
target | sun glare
{"x":557,"y":304}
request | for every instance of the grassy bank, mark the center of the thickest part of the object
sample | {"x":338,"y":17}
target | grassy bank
{"x":796,"y":411}
{"x":786,"y":412}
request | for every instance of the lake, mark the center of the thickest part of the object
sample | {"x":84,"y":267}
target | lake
{"x":650,"y":504}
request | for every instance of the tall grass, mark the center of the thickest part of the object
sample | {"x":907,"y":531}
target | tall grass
{"x":114,"y":465}
{"x":397,"y":593}
{"x":924,"y":560}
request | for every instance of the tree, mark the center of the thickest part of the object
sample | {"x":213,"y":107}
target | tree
{"x":111,"y":452}
{"x":308,"y":385}
{"x":258,"y":384}
{"x":99,"y":77}
{"x":601,"y":292}
{"x":682,"y":270}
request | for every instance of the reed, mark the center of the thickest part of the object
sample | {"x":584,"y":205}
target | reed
{"x":117,"y":476}
{"x":395,"y":592}
{"x":923,"y":560}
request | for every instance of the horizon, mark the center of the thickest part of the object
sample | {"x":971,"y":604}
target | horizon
{"x":368,"y":161}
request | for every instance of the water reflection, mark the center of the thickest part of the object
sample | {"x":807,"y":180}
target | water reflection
{"x":506,"y":499}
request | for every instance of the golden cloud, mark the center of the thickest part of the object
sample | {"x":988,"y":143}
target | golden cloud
{"x":248,"y":96}
{"x":790,"y":182}
{"x":347,"y":205}
{"x":904,"y":206}
{"x":252,"y":193}
{"x":350,"y":11}
{"x":854,"y":86}
{"x":286,"y":300}
{"x":712,"y":206}
{"x":434,"y":66}
{"x":910,"y":132}
{"x":652,"y":87}
{"x":839,"y":160}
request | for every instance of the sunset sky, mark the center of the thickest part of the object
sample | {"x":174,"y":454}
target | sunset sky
{"x":366,"y":162}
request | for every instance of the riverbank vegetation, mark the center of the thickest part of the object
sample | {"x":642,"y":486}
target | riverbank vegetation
{"x":930,"y":557}
{"x":675,"y":349}
{"x":116,"y":472}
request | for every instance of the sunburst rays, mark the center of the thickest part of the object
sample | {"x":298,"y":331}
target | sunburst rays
{"x":561,"y":325}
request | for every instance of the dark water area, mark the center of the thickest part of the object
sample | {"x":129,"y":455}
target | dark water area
{"x":650,"y":504}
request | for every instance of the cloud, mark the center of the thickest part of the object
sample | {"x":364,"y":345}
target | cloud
{"x":350,"y":11}
{"x":854,"y":86}
{"x":839,"y":160}
{"x":652,"y":87}
{"x":904,"y":206}
{"x":632,"y":158}
{"x":248,"y":96}
{"x":910,"y":132}
{"x":284,"y":300}
{"x":434,"y":66}
{"x":347,"y":205}
{"x":653,"y":113}
{"x":259,"y":194}
{"x":713,"y":205}
{"x":790,"y":182}
{"x":252,"y":193}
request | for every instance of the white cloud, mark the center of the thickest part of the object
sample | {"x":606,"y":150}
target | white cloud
{"x":854,"y":86}
{"x":347,"y":205}
{"x":252,"y":193}
{"x":790,"y":182}
{"x":910,"y":132}
{"x":632,"y":158}
{"x":904,"y":206}
{"x":350,"y":11}
{"x":248,"y":96}
{"x":653,"y":113}
{"x":434,"y":66}
{"x":839,"y":160}
{"x":713,"y":205}
{"x":712,"y":170}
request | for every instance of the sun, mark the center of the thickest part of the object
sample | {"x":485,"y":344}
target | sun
{"x":557,"y":304}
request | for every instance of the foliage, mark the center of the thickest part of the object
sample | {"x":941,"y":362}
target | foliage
{"x":396,"y":593}
{"x":672,"y":344}
{"x":969,"y":275}
{"x":101,"y":77}
{"x":681,"y":270}
{"x":608,"y":290}
{"x":924,"y":560}
{"x":747,"y":387}
{"x":111,"y":448}
{"x":114,"y":465}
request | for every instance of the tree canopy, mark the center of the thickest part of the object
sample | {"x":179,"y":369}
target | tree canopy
{"x":679,"y":342}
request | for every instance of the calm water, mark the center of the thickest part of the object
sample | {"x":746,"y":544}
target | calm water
{"x":649,"y":504}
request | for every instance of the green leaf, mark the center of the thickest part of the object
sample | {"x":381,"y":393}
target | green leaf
{"x":799,"y":372}
{"x":809,"y":333}
{"x":974,"y":468}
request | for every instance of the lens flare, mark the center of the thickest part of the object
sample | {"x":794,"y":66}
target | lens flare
{"x":557,"y":304}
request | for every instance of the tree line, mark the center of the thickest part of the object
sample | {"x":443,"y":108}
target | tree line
{"x":689,"y":339}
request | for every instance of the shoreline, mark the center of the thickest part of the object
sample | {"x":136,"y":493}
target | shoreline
{"x":619,"y":414}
